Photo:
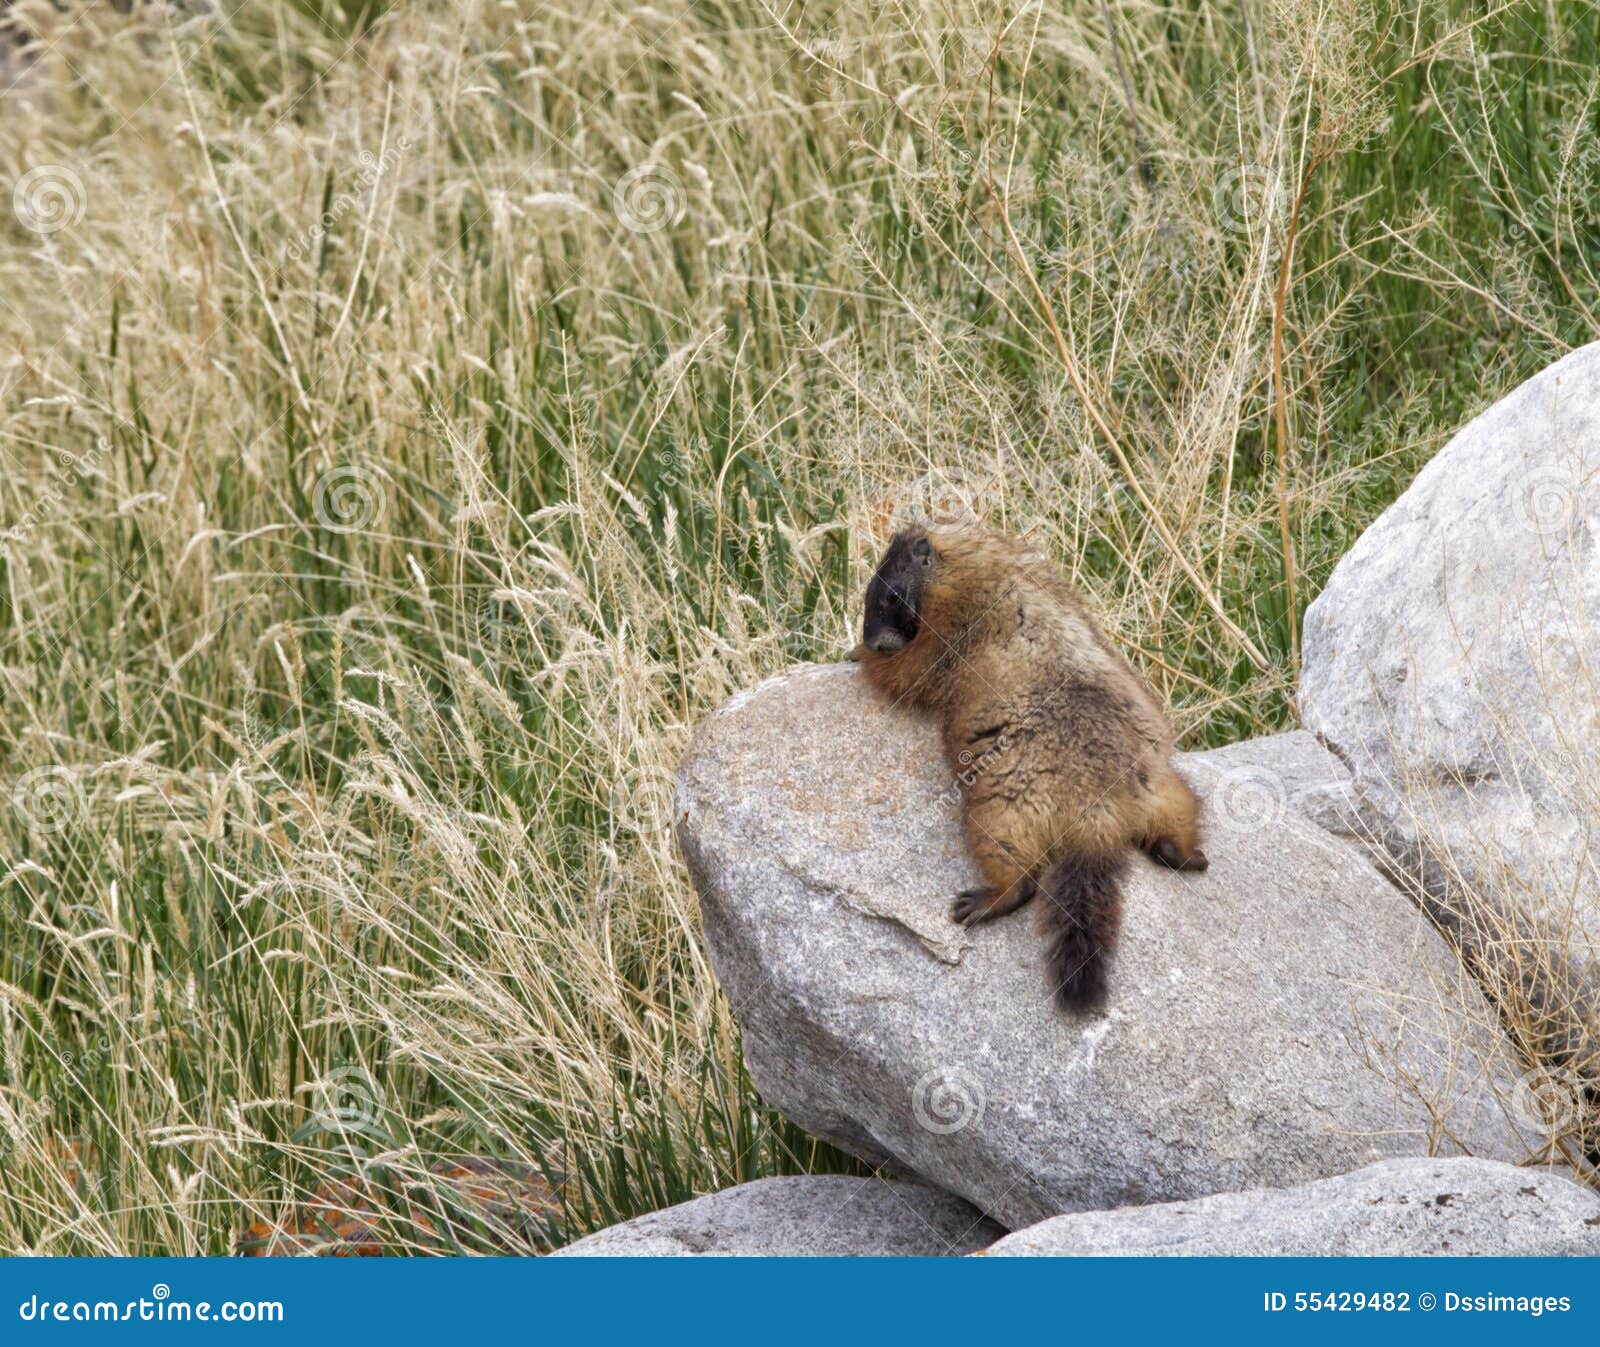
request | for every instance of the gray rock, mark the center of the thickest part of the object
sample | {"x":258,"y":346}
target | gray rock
{"x":1399,"y":1208}
{"x":819,"y":1216}
{"x":1283,"y":1017}
{"x":1262,"y":778}
{"x":1453,"y":663}
{"x":1259,"y":780}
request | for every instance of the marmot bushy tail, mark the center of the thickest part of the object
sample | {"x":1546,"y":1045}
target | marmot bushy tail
{"x":1062,"y":753}
{"x":1082,"y":905}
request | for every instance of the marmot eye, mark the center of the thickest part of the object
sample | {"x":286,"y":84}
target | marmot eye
{"x":922,"y":550}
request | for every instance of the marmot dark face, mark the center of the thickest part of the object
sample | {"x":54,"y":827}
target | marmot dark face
{"x":894,"y":597}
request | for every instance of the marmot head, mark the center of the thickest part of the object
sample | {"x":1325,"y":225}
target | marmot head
{"x":894,"y":595}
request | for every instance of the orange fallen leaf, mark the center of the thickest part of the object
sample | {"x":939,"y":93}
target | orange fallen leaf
{"x":356,"y":1218}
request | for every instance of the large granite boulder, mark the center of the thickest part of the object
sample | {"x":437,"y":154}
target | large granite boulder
{"x":819,"y":1216}
{"x":1398,"y":1208}
{"x":1453,"y":663}
{"x":1286,"y":1016}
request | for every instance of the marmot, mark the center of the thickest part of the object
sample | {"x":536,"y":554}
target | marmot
{"x":1062,"y":753}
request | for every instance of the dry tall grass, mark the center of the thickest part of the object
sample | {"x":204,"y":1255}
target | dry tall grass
{"x":413,"y":421}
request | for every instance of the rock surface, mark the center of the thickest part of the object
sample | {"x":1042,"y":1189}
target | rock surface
{"x":1262,"y":779}
{"x":1453,"y":663}
{"x":818,"y":1216}
{"x":1393,"y":1209}
{"x":1273,"y":1020}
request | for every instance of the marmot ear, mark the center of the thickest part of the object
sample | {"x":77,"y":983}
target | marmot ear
{"x":922,"y":550}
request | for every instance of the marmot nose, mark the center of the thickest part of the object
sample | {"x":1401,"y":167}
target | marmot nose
{"x":885,"y":640}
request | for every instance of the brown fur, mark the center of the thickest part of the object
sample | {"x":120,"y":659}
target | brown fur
{"x":1063,"y":753}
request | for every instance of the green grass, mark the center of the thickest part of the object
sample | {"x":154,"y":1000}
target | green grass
{"x":390,"y":800}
